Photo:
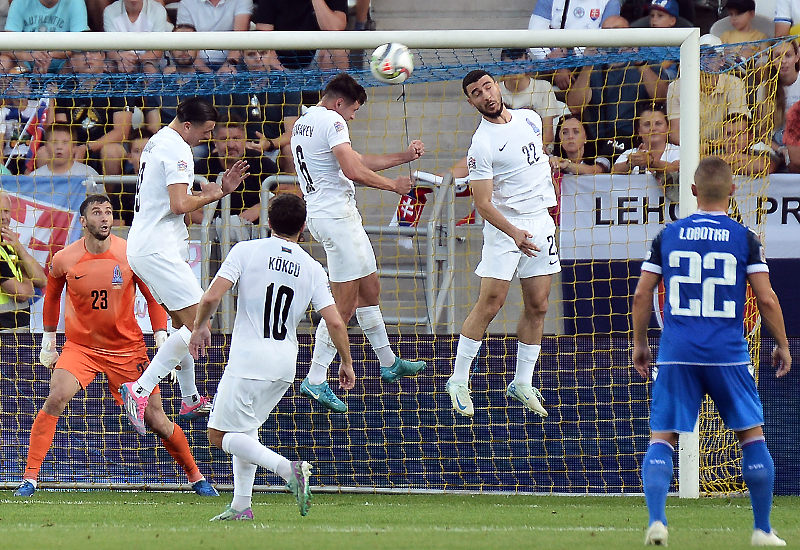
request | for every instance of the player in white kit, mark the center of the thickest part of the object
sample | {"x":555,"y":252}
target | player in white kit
{"x":158,"y":247}
{"x":327,"y":166}
{"x":509,"y":172}
{"x":277,"y":280}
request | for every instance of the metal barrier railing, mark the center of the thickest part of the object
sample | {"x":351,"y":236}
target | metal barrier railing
{"x":439,"y":257}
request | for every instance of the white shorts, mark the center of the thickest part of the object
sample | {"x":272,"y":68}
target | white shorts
{"x":347,"y":247}
{"x":169,"y":278}
{"x":500,"y":257}
{"x":244,"y":404}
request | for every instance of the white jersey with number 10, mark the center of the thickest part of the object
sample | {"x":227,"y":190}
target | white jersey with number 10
{"x":277,"y":280}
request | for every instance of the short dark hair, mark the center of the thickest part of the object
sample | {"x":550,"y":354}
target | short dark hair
{"x":345,"y":86}
{"x":186,"y":26}
{"x":286,"y":214}
{"x":92,"y":199}
{"x":60,"y":127}
{"x":229,"y":119}
{"x":473,"y":76}
{"x":513,"y":53}
{"x":196,"y":110}
{"x":741,"y":6}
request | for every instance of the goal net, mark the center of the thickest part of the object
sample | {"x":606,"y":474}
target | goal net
{"x":401,"y":436}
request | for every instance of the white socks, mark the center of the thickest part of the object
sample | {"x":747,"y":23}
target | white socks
{"x":186,"y":380}
{"x":323,"y":354}
{"x":371,"y":322}
{"x":465,"y":353}
{"x":169,"y":354}
{"x":244,"y":476}
{"x":317,"y":374}
{"x":527,"y":355}
{"x":249,"y":449}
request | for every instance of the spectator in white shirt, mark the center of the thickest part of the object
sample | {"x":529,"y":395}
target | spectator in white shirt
{"x":136,"y":16}
{"x":217,"y":16}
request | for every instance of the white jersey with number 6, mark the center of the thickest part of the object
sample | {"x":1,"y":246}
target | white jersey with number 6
{"x":513,"y":156}
{"x":166,"y":159}
{"x":277,"y":280}
{"x":327,"y":191}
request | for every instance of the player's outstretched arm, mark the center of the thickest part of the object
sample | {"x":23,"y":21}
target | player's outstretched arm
{"x":770,"y":309}
{"x":352,"y":167}
{"x":482,"y":193}
{"x":380,"y":162}
{"x":201,"y":335}
{"x":641,"y":312}
{"x":338,"y":331}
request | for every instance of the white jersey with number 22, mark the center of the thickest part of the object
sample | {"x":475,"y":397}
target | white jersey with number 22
{"x":512,"y":156}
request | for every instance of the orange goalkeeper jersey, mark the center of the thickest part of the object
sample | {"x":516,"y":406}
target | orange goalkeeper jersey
{"x":101,"y":291}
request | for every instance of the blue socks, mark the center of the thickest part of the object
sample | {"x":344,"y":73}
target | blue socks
{"x":758,"y":471}
{"x":656,"y":477}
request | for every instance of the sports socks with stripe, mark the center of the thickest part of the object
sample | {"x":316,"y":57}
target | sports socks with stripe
{"x":656,"y":477}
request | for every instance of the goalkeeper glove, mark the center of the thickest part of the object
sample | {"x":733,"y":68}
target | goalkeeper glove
{"x":160,"y":337}
{"x":48,"y":355}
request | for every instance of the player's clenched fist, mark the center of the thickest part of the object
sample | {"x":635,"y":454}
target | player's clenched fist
{"x":402,"y":185}
{"x":415,"y":150}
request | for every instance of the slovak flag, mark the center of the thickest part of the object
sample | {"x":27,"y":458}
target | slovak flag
{"x":409,"y":209}
{"x":35,"y":129}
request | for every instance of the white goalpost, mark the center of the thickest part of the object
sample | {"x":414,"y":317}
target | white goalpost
{"x":686,"y":38}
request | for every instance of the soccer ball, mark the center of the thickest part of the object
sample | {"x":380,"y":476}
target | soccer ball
{"x":391,"y":63}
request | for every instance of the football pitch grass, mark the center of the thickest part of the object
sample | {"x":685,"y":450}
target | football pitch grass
{"x":179,"y":521}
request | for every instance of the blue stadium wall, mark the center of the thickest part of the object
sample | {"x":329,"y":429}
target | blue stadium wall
{"x":399,"y":435}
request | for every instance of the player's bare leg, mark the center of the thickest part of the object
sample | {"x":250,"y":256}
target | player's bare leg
{"x":535,"y":294}
{"x":175,"y":442}
{"x":63,"y":387}
{"x":172,"y":353}
{"x":491,"y":298}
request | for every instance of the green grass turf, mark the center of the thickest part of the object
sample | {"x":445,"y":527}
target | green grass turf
{"x":179,"y":521}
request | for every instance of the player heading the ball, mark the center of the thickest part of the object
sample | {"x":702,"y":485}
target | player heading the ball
{"x":327,"y":166}
{"x":249,"y":390}
{"x":509,"y":172}
{"x":158,"y":246}
{"x":706,"y":261}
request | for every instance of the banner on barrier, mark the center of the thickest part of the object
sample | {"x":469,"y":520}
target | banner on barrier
{"x":615,"y":217}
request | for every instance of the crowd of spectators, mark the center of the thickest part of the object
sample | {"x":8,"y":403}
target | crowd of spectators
{"x":597,"y":118}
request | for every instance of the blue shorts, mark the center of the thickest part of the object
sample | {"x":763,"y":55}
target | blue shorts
{"x":679,"y":389}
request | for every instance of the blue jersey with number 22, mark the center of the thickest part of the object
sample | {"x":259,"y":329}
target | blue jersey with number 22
{"x":704,"y":260}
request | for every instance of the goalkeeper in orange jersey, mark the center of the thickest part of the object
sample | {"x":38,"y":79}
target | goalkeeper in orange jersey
{"x":102,"y":337}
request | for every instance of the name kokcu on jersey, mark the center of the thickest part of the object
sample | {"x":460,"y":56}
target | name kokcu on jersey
{"x":277,"y":263}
